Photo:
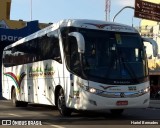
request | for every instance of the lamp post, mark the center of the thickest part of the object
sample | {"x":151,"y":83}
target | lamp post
{"x":121,"y":11}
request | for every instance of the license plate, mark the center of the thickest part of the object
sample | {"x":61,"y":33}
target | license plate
{"x":122,"y":103}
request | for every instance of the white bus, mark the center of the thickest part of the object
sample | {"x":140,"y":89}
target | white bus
{"x":79,"y":64}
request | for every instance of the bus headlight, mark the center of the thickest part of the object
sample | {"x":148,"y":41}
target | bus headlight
{"x":92,"y":90}
{"x":146,"y":90}
{"x":95,"y":91}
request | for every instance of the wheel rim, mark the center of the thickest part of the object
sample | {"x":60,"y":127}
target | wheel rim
{"x":61,"y":104}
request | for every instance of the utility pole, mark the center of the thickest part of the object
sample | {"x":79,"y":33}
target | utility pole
{"x":107,"y":9}
{"x":31,"y":9}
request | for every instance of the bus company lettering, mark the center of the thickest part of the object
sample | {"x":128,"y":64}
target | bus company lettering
{"x":39,"y":72}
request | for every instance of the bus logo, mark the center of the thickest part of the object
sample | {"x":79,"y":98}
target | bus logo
{"x":100,"y":26}
{"x":41,"y":72}
{"x":122,"y":94}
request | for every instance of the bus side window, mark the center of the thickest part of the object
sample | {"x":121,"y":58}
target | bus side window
{"x":49,"y":47}
{"x":7,"y":58}
{"x":56,"y":50}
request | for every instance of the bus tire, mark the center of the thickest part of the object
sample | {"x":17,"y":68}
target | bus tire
{"x":64,"y":111}
{"x":14,"y":100}
{"x":24,"y":104}
{"x":116,"y":111}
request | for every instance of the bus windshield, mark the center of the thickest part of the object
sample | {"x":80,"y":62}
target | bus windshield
{"x":112,"y":55}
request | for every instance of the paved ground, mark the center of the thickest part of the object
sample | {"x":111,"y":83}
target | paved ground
{"x":53,"y":119}
{"x":155,"y":104}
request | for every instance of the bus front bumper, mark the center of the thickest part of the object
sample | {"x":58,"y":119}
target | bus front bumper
{"x":89,"y":101}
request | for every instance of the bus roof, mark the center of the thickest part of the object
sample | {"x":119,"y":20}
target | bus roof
{"x":81,"y":23}
{"x":96,"y":24}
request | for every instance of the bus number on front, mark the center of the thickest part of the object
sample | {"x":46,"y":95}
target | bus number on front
{"x":132,"y":88}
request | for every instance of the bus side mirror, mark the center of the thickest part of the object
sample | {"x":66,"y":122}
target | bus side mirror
{"x":80,"y":41}
{"x":154,"y":45}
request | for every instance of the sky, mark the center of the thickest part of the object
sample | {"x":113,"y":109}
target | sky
{"x":51,"y":11}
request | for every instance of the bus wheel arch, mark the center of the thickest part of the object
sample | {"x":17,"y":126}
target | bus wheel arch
{"x":60,"y":102}
{"x":12,"y":91}
{"x":15,"y":103}
{"x":14,"y":100}
{"x":57,"y":89}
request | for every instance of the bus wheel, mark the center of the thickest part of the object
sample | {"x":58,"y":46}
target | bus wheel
{"x":14,"y":99}
{"x":116,"y":111}
{"x":24,"y":104}
{"x":64,"y":111}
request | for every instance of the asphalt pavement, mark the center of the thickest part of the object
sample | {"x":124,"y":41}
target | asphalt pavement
{"x":153,"y":103}
{"x":53,"y":119}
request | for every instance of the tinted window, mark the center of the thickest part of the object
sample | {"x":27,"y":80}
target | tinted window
{"x":42,"y":48}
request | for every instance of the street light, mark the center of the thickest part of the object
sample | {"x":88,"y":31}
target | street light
{"x":121,"y":11}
